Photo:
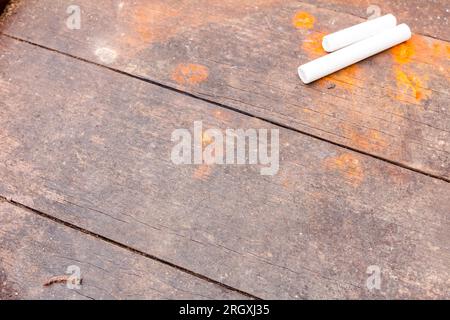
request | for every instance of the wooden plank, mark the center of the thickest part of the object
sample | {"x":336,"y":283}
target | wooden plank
{"x":34,"y":249}
{"x":92,"y":147}
{"x":429,"y":18}
{"x":245,"y":54}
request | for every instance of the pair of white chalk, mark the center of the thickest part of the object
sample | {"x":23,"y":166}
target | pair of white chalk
{"x":354,"y":44}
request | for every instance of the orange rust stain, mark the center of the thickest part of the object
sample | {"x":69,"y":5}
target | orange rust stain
{"x":349,"y":166}
{"x":410,"y":83}
{"x":202,"y":172}
{"x":312,"y":45}
{"x":190,"y":74}
{"x":303,"y":20}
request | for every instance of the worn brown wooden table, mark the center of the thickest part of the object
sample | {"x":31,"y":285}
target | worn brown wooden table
{"x":86,"y":117}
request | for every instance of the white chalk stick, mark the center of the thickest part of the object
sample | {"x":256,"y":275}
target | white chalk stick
{"x":356,"y":52}
{"x":346,"y":37}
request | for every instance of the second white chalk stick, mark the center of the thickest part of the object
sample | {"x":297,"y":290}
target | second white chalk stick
{"x":348,"y":36}
{"x":354,"y":53}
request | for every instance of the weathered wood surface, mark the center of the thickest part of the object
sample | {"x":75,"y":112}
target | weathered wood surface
{"x":34,"y":249}
{"x":429,"y":18}
{"x":245,"y":54}
{"x":92,"y":147}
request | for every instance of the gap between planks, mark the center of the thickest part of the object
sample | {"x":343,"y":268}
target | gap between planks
{"x":128,"y":248}
{"x":224,"y":106}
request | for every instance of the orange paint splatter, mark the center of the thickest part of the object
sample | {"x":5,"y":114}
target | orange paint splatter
{"x":404,"y":52}
{"x":416,"y":48}
{"x":140,"y":24}
{"x":190,"y":74}
{"x":303,"y":20}
{"x":145,"y":24}
{"x":436,"y":49}
{"x":441,"y":57}
{"x":349,"y":166}
{"x":411,"y":84}
{"x":202,"y":172}
{"x":312,"y":45}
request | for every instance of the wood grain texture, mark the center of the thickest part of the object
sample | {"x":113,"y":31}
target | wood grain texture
{"x":431,"y":18}
{"x":34,"y":249}
{"x":92,"y":147}
{"x":245,"y":54}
